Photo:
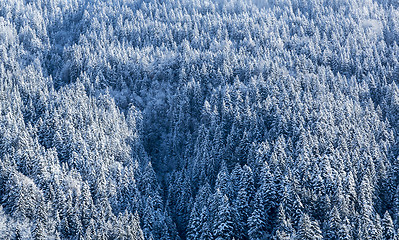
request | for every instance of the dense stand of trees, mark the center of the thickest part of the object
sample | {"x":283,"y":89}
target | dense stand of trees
{"x":180,"y":119}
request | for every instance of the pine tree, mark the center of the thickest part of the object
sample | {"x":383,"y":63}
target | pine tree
{"x":207,"y":230}
{"x":235,"y":177}
{"x":134,"y":228}
{"x":39,"y":231}
{"x":90,"y":232}
{"x":179,"y":197}
{"x":247,"y":182}
{"x":295,"y":207}
{"x":199,"y":213}
{"x":267,"y":196}
{"x":283,"y":226}
{"x":194,"y":226}
{"x":345,"y":232}
{"x":308,"y":229}
{"x":243,"y":212}
{"x":86,"y":205}
{"x":388,"y":227}
{"x":257,"y":223}
{"x":223,"y":225}
{"x":333,"y":227}
{"x":223,"y":182}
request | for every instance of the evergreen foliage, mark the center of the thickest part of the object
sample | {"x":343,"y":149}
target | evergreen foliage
{"x":183,"y":119}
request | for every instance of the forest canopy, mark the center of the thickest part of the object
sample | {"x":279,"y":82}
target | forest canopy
{"x":184,"y":119}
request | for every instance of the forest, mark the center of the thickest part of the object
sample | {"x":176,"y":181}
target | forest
{"x":199,"y":119}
